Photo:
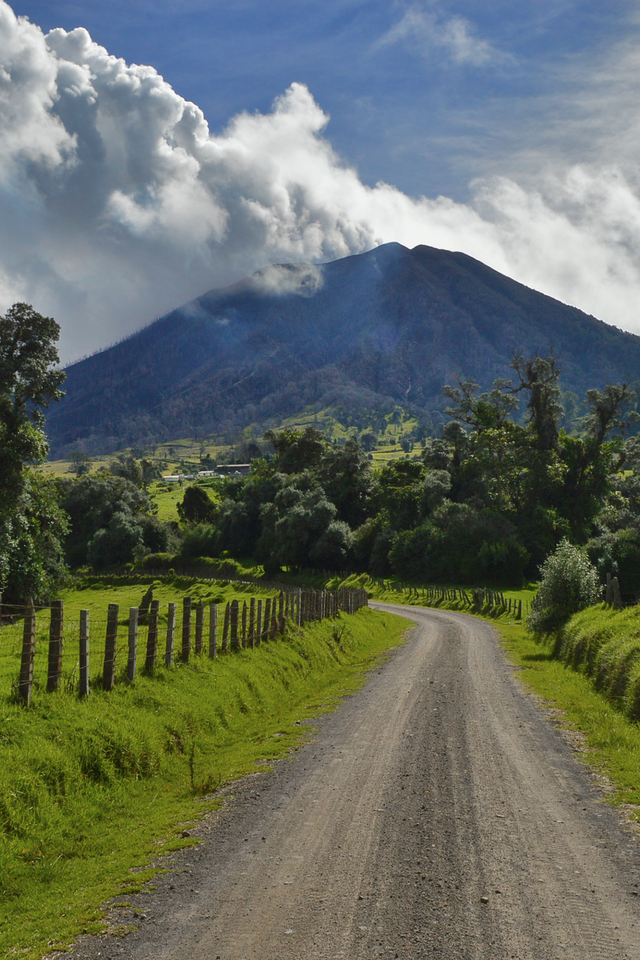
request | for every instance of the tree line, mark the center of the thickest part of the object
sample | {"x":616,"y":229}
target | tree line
{"x":486,"y":502}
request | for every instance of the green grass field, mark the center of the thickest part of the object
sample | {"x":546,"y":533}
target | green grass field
{"x":167,"y":499}
{"x":95,"y":594}
{"x":93,"y":789}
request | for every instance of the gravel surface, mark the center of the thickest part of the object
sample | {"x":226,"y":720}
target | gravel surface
{"x":438,"y":813}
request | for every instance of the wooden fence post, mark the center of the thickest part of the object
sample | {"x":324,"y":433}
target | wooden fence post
{"x":267,"y":620}
{"x":225,"y":628}
{"x":145,"y":603}
{"x":186,"y":629}
{"x":110,"y":648}
{"x":28,"y":653}
{"x":171,"y":635}
{"x":281,"y":613}
{"x":252,"y":623}
{"x":259,"y":624}
{"x":199,"y":626}
{"x":83,"y":686}
{"x":617,"y":599}
{"x":132,"y":659}
{"x":54,"y":673}
{"x":244,"y":625}
{"x":234,"y":624}
{"x":152,"y":637}
{"x":213,"y":630}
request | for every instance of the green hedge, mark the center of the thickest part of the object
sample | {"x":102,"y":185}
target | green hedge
{"x":198,"y":566}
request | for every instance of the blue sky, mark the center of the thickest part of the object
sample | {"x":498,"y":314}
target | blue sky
{"x":409,"y":112}
{"x":507,"y":130}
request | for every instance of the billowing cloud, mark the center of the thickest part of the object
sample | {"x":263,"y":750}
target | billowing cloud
{"x":429,"y":33}
{"x":117,"y":203}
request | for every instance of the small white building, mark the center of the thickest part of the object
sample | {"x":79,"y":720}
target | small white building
{"x":179,"y":477}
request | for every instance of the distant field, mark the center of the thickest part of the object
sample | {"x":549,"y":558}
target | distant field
{"x":185,"y":455}
{"x":167,"y":499}
{"x":388,"y":436}
{"x":63,"y":468}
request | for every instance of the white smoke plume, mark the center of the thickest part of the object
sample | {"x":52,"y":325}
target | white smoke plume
{"x":118,"y":204}
{"x":303,"y":279}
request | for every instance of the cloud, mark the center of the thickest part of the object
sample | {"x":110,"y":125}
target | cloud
{"x":428,"y":33}
{"x":118,"y":204}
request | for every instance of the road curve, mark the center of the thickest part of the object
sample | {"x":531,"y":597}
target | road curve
{"x":438,"y":813}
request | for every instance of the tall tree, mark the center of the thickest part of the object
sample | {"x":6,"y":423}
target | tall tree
{"x":29,"y":381}
{"x":539,"y":377}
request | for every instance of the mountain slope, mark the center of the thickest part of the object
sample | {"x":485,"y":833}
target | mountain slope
{"x":391,"y":323}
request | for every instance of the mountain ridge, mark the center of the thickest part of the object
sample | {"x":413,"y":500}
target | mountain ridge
{"x":386,"y":326}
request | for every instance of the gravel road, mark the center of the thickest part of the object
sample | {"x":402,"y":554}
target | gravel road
{"x":438,"y":813}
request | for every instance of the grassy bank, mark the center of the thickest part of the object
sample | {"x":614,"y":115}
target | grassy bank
{"x":610,"y":741}
{"x":604,"y":644}
{"x":91,"y":789}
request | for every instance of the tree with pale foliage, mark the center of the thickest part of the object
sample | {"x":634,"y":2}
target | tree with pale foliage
{"x":569,"y":583}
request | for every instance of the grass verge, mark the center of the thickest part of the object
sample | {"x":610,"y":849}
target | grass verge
{"x":92,"y":791}
{"x":610,"y":740}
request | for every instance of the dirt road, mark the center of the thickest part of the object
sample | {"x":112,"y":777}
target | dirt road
{"x":438,"y":813}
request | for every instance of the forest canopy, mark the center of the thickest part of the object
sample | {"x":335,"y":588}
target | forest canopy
{"x":485,"y":502}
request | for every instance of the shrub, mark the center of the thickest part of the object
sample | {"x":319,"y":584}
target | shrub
{"x":200,"y":541}
{"x":569,"y":583}
{"x":156,"y":561}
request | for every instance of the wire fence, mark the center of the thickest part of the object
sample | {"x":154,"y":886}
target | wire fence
{"x":40,"y":649}
{"x":477,"y":598}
